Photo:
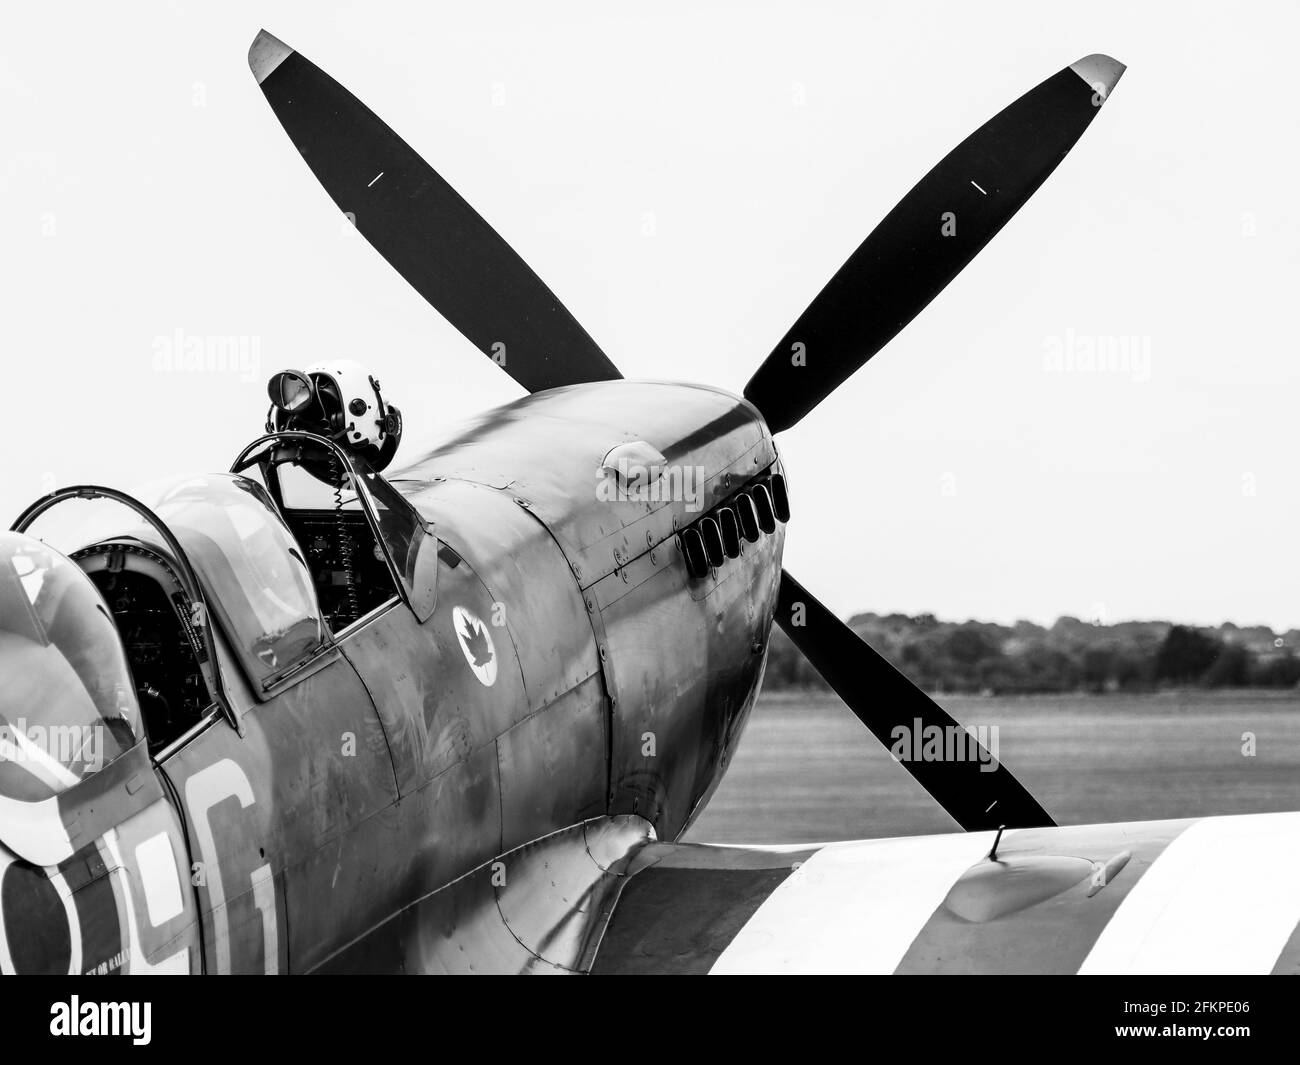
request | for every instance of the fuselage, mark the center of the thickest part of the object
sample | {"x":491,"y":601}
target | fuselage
{"x":571,"y":668}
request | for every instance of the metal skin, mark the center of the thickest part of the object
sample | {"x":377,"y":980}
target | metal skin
{"x":381,"y":810}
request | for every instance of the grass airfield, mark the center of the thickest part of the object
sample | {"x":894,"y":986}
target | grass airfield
{"x":807,"y":770}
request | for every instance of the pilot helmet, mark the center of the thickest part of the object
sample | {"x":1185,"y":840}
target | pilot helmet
{"x":340,"y":399}
{"x":358,"y":400}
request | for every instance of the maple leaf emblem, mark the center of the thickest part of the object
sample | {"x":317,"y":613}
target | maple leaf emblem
{"x":476,"y":643}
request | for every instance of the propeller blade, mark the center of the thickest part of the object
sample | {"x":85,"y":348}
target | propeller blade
{"x":419,"y":223}
{"x":926,"y":240}
{"x":884,"y":700}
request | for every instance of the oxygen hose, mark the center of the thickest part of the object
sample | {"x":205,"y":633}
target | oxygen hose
{"x":345,"y":540}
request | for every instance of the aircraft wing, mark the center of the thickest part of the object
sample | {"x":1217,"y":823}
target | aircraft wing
{"x":1210,"y":895}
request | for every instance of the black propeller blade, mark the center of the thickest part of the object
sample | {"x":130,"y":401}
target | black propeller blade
{"x":925,"y":241}
{"x":884,"y":699}
{"x":419,"y":223}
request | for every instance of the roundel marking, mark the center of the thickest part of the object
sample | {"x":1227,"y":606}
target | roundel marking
{"x":40,"y":931}
{"x":475,"y":644}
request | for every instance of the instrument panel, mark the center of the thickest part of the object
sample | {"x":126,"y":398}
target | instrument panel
{"x":347,"y":563}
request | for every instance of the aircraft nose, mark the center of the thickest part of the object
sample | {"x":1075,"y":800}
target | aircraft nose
{"x":36,"y":934}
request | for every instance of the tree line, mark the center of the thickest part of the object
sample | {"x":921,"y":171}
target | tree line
{"x":1070,"y":656}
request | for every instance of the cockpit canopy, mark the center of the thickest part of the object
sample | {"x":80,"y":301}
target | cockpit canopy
{"x":252,"y":567}
{"x":245,"y":558}
{"x":67,"y":704}
{"x":202,"y":570}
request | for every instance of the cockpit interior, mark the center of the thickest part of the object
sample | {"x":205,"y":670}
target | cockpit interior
{"x":346,"y":563}
{"x":153,"y":616}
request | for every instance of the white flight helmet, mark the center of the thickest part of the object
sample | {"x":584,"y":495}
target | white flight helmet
{"x":359,"y":401}
{"x":340,"y":399}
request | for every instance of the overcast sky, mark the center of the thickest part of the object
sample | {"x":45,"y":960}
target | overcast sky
{"x":686,"y":178}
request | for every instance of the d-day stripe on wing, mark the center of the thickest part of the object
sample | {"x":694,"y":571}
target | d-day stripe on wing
{"x":853,"y":907}
{"x":1224,"y":897}
{"x":1028,"y":919}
